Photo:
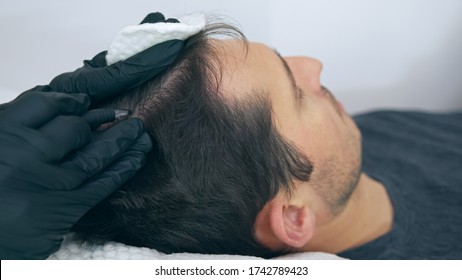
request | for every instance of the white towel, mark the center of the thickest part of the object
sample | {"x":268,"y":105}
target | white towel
{"x":136,"y":38}
{"x":71,"y":250}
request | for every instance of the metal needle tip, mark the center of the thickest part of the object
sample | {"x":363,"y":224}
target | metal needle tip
{"x":120,"y":114}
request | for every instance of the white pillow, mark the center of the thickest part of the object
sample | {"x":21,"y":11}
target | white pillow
{"x":71,"y":250}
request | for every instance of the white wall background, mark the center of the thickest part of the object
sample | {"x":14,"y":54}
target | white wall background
{"x":376,"y":54}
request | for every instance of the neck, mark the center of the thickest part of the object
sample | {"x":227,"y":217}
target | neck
{"x":367,"y":216}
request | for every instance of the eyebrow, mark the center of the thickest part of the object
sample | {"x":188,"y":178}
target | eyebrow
{"x":290,"y":75}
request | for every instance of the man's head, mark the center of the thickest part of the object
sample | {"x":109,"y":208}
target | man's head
{"x":251,"y":155}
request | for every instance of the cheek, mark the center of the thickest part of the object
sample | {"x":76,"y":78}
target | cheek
{"x":321,"y":134}
{"x":317,"y":130}
{"x":312,"y":137}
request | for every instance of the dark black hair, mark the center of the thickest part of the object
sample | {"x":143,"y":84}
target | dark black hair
{"x":216,"y":162}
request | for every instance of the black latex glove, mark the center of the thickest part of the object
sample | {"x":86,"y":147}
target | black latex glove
{"x":53,"y":168}
{"x":101,"y":81}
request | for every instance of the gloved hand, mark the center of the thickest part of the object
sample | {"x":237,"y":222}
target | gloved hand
{"x":100,"y":81}
{"x":53,"y":168}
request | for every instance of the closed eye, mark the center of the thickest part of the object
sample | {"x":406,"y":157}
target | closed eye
{"x":290,"y":75}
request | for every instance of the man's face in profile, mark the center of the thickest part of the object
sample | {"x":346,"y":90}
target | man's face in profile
{"x":305,"y":113}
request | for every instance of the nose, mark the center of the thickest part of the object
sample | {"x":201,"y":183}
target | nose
{"x":306,"y":71}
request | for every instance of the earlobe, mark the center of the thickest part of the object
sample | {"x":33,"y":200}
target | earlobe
{"x":292,"y":224}
{"x":288,"y":225}
{"x":298,"y":225}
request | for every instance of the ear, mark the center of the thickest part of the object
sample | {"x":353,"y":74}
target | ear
{"x":282,"y":223}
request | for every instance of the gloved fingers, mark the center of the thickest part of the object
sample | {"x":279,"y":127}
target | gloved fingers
{"x":145,"y":65}
{"x":172,"y":20}
{"x":98,"y":60}
{"x":45,"y":88}
{"x":117,"y":174}
{"x":158,"y":17}
{"x":63,"y":135}
{"x":42,"y":88}
{"x":105,"y":82}
{"x":142,"y":66}
{"x":97,"y":117}
{"x":153,"y":18}
{"x":105,"y":148}
{"x":36,"y":108}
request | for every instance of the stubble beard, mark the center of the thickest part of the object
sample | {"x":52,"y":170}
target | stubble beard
{"x":338,"y":180}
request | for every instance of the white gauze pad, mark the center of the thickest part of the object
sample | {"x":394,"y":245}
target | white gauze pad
{"x":136,"y":38}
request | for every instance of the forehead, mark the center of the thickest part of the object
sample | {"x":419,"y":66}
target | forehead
{"x":255,"y":68}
